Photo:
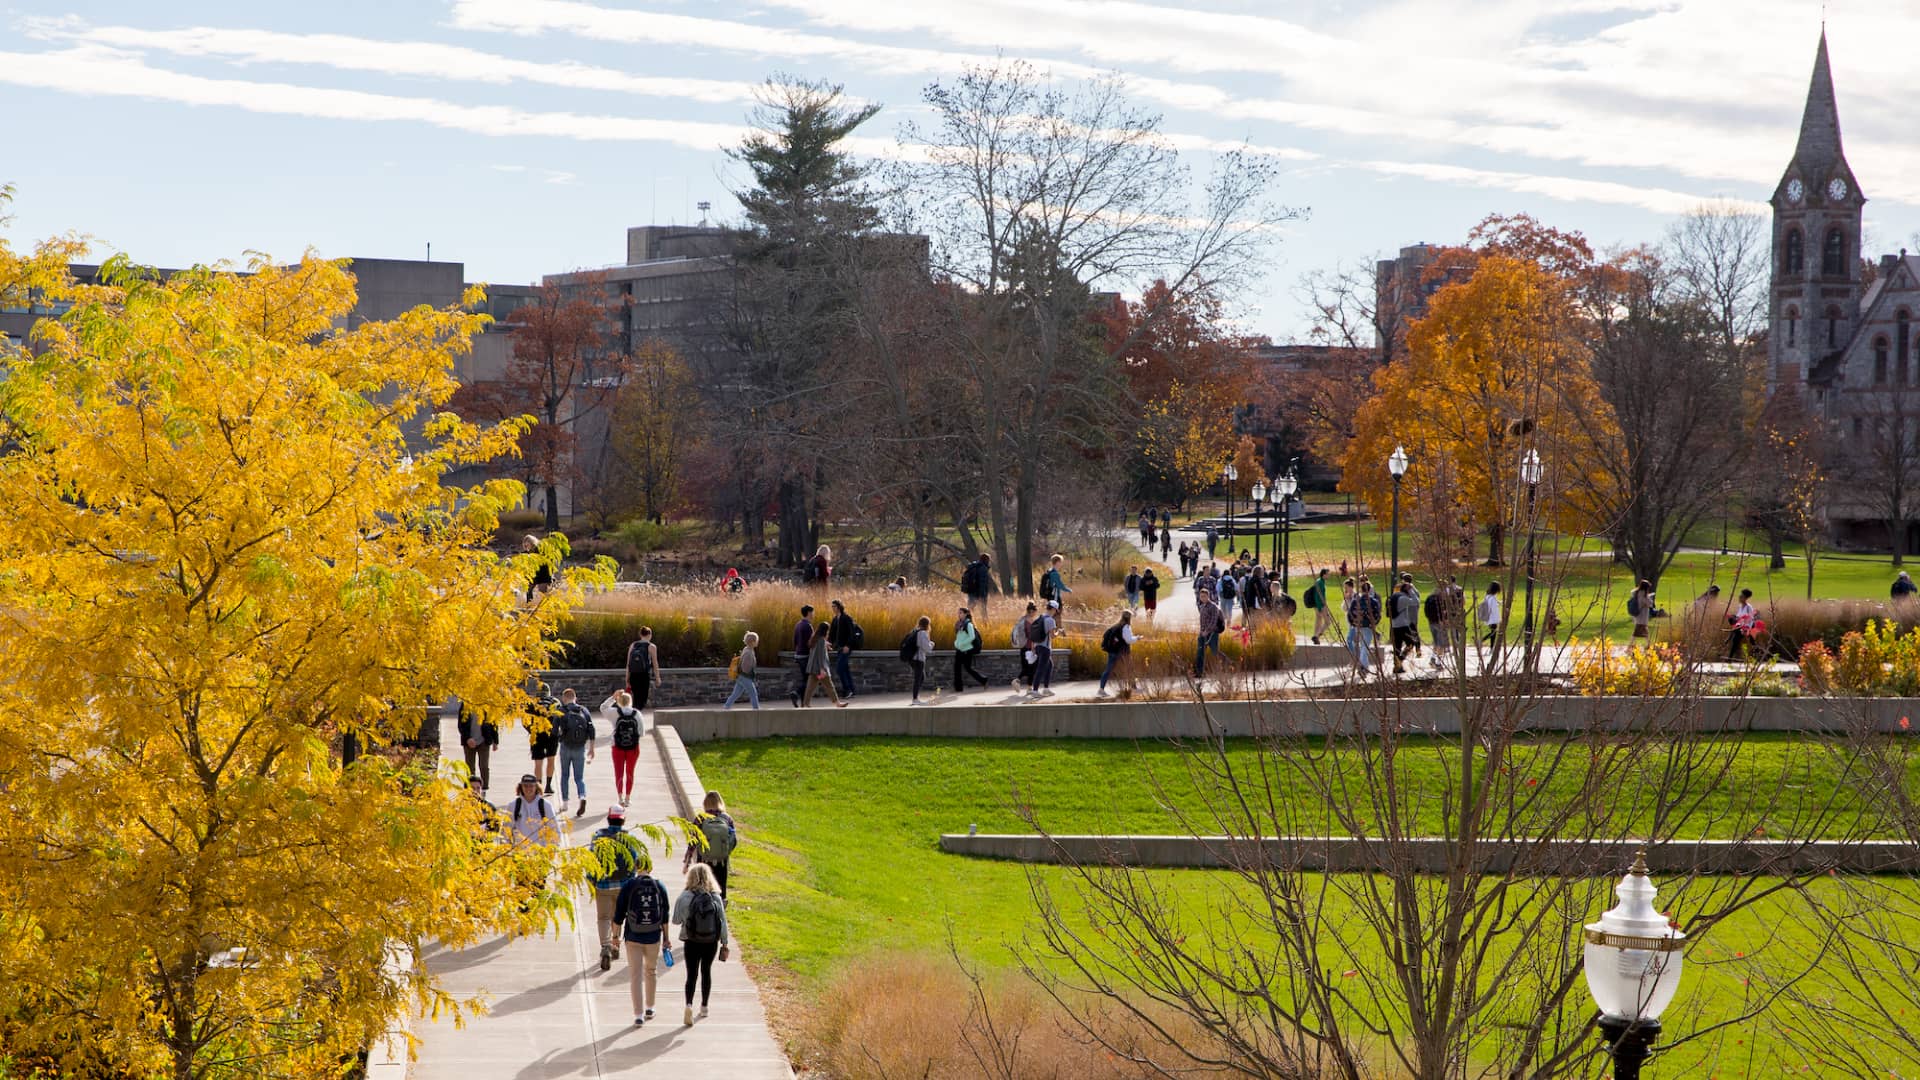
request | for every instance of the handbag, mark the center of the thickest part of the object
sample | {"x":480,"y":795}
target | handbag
{"x":1031,"y":657}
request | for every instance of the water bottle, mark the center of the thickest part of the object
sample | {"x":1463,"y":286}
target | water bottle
{"x":666,"y":954}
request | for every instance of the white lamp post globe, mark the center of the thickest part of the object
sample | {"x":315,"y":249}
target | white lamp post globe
{"x":1287,"y":485}
{"x":1633,"y":952}
{"x":1397,"y":464}
{"x":1230,"y":473}
{"x":1530,"y":468}
{"x":1259,"y":492}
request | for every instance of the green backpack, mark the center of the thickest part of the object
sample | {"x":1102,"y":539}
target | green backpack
{"x":721,"y":839}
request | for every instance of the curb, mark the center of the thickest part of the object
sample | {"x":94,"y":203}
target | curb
{"x":688,"y":792}
{"x":391,"y":1056}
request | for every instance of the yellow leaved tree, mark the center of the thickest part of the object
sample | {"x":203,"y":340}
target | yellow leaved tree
{"x":1187,"y":435}
{"x":1496,"y":367}
{"x":217,"y":559}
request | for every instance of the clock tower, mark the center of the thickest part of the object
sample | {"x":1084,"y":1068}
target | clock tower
{"x":1815,"y":295}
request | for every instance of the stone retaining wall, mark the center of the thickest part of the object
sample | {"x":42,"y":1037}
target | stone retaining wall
{"x":874,"y":672}
{"x":1424,"y":855}
{"x":1188,"y":719}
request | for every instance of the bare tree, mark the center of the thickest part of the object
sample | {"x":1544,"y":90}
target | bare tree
{"x":1718,"y":253}
{"x":1035,"y":195}
{"x":1880,"y":462}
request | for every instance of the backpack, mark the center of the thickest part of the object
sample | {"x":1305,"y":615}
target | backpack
{"x":1633,"y":604}
{"x":624,"y":860}
{"x":1046,"y":585}
{"x":721,"y":839}
{"x":970,"y":580}
{"x":703,"y":919}
{"x":626,"y":727}
{"x":645,"y":913}
{"x":812,"y":571}
{"x":1432,"y":606}
{"x":542,"y":808}
{"x":1111,"y":641}
{"x":856,"y":637}
{"x":733,"y":669}
{"x":576,"y":724}
{"x":1037,"y":630}
{"x":1317,"y":595}
{"x":1367,"y":606}
{"x":910,"y":646}
{"x":1228,"y":587}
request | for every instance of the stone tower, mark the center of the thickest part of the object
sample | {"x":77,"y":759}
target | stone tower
{"x":1816,"y":243}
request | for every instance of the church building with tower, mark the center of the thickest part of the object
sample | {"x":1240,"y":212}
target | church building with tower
{"x":1841,"y":333}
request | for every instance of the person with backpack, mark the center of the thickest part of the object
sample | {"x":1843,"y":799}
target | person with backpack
{"x":1404,"y":624}
{"x":1020,"y":645}
{"x":819,"y":569}
{"x":543,"y":733}
{"x":967,"y":645}
{"x":1442,"y":627}
{"x":819,"y":672}
{"x":843,"y":636}
{"x":1742,"y":626}
{"x":1229,"y":587}
{"x":1117,"y":643}
{"x":1041,"y":630}
{"x":719,"y":836}
{"x":701,"y":914}
{"x":1132,"y":587}
{"x":626,"y":745}
{"x":1213,"y":541}
{"x":1316,"y":599}
{"x":479,"y":738}
{"x":576,"y":746}
{"x":1903,"y":587}
{"x":1150,"y":591}
{"x":731,"y":583}
{"x":802,"y":650}
{"x":976,"y":583}
{"x":1640,"y":606}
{"x":1180,"y":570}
{"x":1212,"y":625}
{"x":1053,"y":585}
{"x":643,"y":668}
{"x":1363,"y":615}
{"x":1166,"y":542}
{"x":641,"y":912}
{"x":1490,"y":612}
{"x":617,"y":856}
{"x":915,"y":650}
{"x":532,"y":816}
{"x":743,"y":668}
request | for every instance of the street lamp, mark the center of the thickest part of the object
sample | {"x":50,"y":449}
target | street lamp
{"x":1286,"y":485}
{"x":1230,"y":474}
{"x":1259,"y":497}
{"x":1397,"y":465}
{"x":1633,"y":970}
{"x":1530,"y":473}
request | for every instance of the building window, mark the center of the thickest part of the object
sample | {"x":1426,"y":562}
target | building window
{"x":1833,"y":261}
{"x":1880,"y":361}
{"x":1793,"y":325}
{"x":1791,"y":262}
{"x":1833,"y":328}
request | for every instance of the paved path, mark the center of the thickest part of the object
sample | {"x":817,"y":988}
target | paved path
{"x":555,"y":1015}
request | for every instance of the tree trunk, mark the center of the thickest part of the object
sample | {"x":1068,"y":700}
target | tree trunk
{"x":1026,"y":493}
{"x":1776,"y":549}
{"x":1496,"y":543}
{"x":553,"y":508}
{"x":1898,"y":529}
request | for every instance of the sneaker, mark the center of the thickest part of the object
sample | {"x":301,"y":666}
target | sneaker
{"x":1103,"y":694}
{"x":703,"y":1012}
{"x":1316,"y":639}
{"x":638,"y":1020}
{"x":1048,"y":692}
{"x":795,"y":698}
{"x":549,"y":785}
{"x":724,"y":708}
{"x":687,"y":1017}
{"x":582,"y":812}
{"x":648,"y":1015}
{"x":606,"y":958}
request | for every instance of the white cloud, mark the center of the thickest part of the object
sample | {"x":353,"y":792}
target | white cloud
{"x":420,"y":59}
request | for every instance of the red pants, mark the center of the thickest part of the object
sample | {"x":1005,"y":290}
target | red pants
{"x":623,"y":769}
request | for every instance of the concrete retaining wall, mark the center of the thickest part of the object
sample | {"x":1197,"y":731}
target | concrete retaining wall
{"x":1530,"y":858}
{"x":682,"y":780}
{"x":1188,"y":720}
{"x":874,"y":672}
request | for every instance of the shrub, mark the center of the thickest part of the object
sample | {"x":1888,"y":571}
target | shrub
{"x":1878,"y":661}
{"x":1653,"y":671}
{"x":1816,"y":667}
{"x":643,"y":536}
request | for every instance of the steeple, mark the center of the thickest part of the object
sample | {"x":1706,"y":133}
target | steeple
{"x":1819,"y":145}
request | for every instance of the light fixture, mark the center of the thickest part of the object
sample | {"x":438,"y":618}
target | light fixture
{"x":1230,"y":472}
{"x":1259,"y":492}
{"x":1397,"y":464}
{"x":1286,"y":485}
{"x":1633,"y":965}
{"x":1530,"y":468}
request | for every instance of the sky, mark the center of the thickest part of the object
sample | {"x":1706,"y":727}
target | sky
{"x":522,"y":137}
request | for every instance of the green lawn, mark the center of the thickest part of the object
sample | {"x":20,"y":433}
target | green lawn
{"x":840,"y":855}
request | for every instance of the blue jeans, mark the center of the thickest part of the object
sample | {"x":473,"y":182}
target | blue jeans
{"x":1226,"y":609}
{"x":1360,"y":644}
{"x":1043,"y":667}
{"x":1207,"y":641}
{"x":746,"y":683}
{"x":573,"y":759}
{"x":1113,"y":661}
{"x":843,"y":671}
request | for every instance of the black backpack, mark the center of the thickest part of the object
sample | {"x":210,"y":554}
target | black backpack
{"x":703,"y":919}
{"x":910,"y":646}
{"x":1111,"y":641}
{"x":856,"y":637}
{"x":1037,"y":630}
{"x":970,"y":580}
{"x":626,"y":728}
{"x":644,"y":912}
{"x":576,"y":724}
{"x":1432,"y":605}
{"x":1046,"y":585}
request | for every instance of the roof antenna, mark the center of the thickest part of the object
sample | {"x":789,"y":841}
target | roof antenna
{"x":703,"y":206}
{"x":429,"y":251}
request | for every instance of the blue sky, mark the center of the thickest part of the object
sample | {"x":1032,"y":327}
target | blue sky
{"x":521,"y":137}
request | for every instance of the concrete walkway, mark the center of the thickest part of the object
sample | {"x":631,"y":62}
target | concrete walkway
{"x":554,"y":1014}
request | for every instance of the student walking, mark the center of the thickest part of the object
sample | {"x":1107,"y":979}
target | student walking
{"x":720,"y":836}
{"x":701,"y":914}
{"x":1023,"y":647}
{"x":1213,"y":540}
{"x":976,"y":583}
{"x":479,"y":738}
{"x":1640,"y":607}
{"x":1166,"y":541}
{"x":1490,"y":613}
{"x":1229,"y":591}
{"x":532,"y":816}
{"x":643,"y":668}
{"x":916,"y":650}
{"x":1040,"y":632}
{"x":1212,"y":624}
{"x":1316,"y":599}
{"x":641,"y":912}
{"x":1150,"y":591}
{"x":744,"y":666}
{"x":1742,"y":626}
{"x":1053,"y":585}
{"x":1131,"y":586}
{"x":1405,"y":623}
{"x":1903,"y":587}
{"x":1445,"y":609}
{"x":966,"y":646}
{"x":819,"y":673}
{"x":1363,"y":614}
{"x":576,"y":747}
{"x":617,"y":856}
{"x":819,"y":571}
{"x":843,"y":636}
{"x":1117,"y":643}
{"x":626,"y":745}
{"x":543,"y":734}
{"x":802,"y":650}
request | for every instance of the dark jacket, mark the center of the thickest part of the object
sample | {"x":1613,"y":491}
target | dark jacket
{"x":630,"y":898}
{"x":489,"y":734}
{"x":802,"y":638}
{"x":840,"y":631}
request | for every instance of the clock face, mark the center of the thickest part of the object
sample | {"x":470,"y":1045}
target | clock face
{"x":1796,"y":190}
{"x":1836,"y":189}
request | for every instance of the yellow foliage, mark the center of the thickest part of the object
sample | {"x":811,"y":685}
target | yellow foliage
{"x":1651,"y":671}
{"x":217,"y":558}
{"x":1188,"y":435}
{"x":1494,"y":351}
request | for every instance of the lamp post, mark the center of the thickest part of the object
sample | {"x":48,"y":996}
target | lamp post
{"x":1397,"y":465}
{"x":1633,"y":969}
{"x":1259,"y":499}
{"x":1230,"y":474}
{"x":1286,"y":485}
{"x":1530,"y":473}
